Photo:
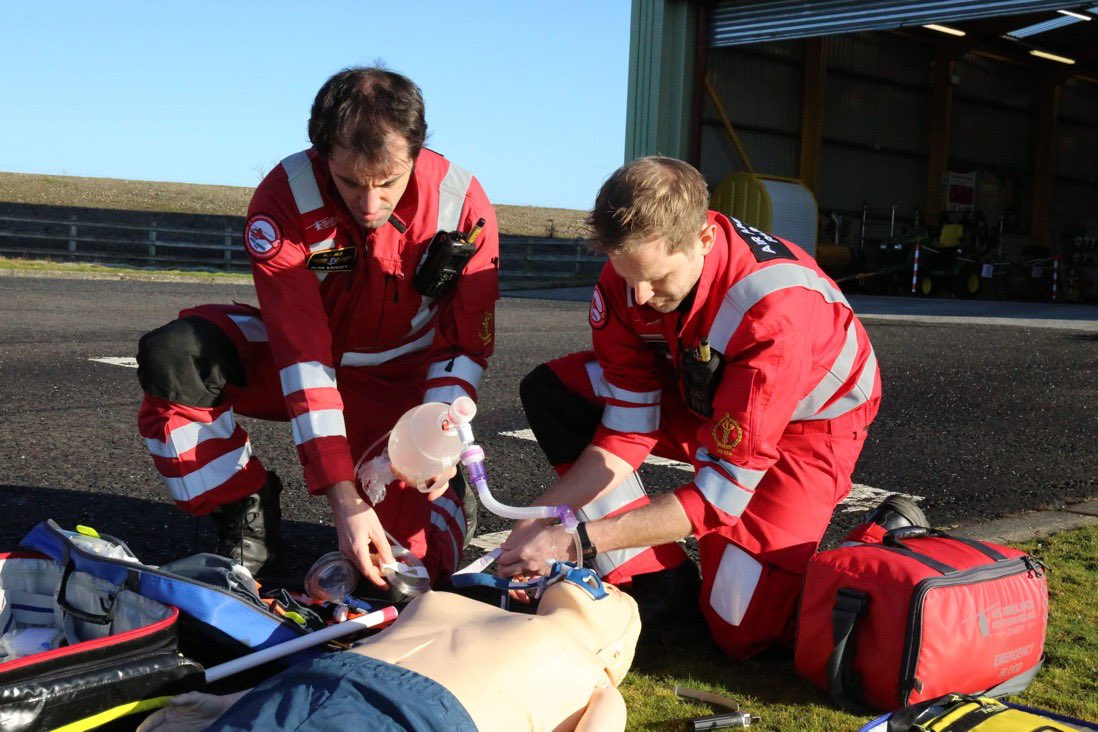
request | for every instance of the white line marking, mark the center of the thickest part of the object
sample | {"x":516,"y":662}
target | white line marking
{"x":127,"y":361}
{"x":488,"y":542}
{"x":861,"y":498}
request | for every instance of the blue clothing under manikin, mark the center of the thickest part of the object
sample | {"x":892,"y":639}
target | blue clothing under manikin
{"x":347,"y":691}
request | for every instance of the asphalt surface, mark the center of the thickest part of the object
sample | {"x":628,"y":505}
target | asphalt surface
{"x":979,"y":419}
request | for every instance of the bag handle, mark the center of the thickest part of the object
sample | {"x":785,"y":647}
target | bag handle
{"x":895,"y":538}
{"x":842,"y":683}
{"x":104,"y":618}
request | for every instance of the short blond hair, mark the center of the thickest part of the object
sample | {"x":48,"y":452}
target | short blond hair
{"x":649,"y":197}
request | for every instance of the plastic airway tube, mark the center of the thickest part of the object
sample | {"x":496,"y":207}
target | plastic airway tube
{"x":292,"y":646}
{"x":473,"y":460}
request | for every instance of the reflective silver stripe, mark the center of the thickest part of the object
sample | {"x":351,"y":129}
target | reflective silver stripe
{"x":353,"y":358}
{"x":721,"y":492}
{"x":744,"y":476}
{"x":833,"y":380}
{"x":188,"y":436}
{"x":743,"y":295}
{"x":607,"y":562}
{"x":445,"y":394}
{"x":626,"y":492}
{"x":605,"y":389}
{"x":308,"y":375}
{"x":299,"y":173}
{"x":628,"y":296}
{"x":449,"y":507}
{"x":459,"y":367}
{"x":440,"y":523}
{"x":425,"y":313}
{"x":251,"y":327}
{"x":631,"y":419}
{"x":451,"y":197}
{"x":318,"y":423}
{"x":211,"y":475}
{"x":857,"y":396}
{"x":734,"y":584}
{"x":322,"y":246}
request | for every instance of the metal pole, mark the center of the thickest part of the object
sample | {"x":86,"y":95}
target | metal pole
{"x":915,"y":270}
{"x":72,"y":235}
{"x":152,"y":240}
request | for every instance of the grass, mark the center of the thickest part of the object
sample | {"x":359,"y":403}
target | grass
{"x":101,"y":271}
{"x":768,"y":687}
{"x":134,"y":195}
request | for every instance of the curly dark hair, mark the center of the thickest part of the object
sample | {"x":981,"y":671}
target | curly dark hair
{"x":360,"y":107}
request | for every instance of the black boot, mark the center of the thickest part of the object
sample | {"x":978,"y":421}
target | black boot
{"x":897,"y":511}
{"x":249,"y":531}
{"x":668,"y":604}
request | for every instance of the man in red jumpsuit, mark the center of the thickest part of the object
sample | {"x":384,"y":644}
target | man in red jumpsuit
{"x":718,"y":345}
{"x":344,"y":340}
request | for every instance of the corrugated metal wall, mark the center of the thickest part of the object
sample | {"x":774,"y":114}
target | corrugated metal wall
{"x":994,"y":117}
{"x":874,"y":125}
{"x":760,"y":89}
{"x":1076,"y":197}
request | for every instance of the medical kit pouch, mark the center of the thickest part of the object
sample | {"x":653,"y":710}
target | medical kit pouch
{"x":78,"y":650}
{"x":965,"y":713}
{"x":222,"y":616}
{"x":894,"y":618}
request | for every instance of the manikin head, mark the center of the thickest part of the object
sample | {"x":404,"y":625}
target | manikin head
{"x":610,"y":626}
{"x":369,"y":123}
{"x":650,"y":219}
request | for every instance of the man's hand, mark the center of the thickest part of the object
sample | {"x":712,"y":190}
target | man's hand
{"x":189,"y":712}
{"x":531,"y":549}
{"x":358,"y":528}
{"x":438,"y":484}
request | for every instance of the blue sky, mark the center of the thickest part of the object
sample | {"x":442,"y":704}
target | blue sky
{"x":530,"y":96}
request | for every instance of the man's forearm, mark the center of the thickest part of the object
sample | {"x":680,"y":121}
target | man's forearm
{"x":594,"y":473}
{"x":660,"y":522}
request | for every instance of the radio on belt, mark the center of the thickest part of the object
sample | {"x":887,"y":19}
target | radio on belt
{"x":447,"y":255}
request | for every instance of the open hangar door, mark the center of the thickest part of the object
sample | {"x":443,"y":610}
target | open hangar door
{"x":876,"y":114}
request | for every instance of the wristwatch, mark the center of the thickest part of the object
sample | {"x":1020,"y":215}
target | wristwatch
{"x":589,"y":550}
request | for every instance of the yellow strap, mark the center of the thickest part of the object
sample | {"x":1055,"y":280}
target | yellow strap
{"x":96,"y":720}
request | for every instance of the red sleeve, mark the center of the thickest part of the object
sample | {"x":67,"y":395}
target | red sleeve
{"x":299,"y":336}
{"x":767,"y":363}
{"x":629,"y":378}
{"x":467,"y":322}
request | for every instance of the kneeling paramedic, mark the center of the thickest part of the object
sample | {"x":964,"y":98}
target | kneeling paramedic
{"x":363,"y":313}
{"x":716,"y":345}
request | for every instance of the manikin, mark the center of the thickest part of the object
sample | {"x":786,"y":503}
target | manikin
{"x":557,"y":670}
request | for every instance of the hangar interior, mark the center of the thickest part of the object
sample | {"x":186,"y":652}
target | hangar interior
{"x":872,"y":132}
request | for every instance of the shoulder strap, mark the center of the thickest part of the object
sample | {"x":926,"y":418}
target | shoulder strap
{"x":842,"y":683}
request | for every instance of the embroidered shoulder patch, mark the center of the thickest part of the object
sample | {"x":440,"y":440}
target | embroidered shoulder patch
{"x":764,"y":246}
{"x":597,"y":316}
{"x":727,"y":434}
{"x":262,"y":237}
{"x":487,"y":329}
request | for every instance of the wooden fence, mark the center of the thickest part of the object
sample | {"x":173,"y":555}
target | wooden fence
{"x":526,"y":259}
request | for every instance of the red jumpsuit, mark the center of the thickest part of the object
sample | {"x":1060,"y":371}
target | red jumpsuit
{"x":342,"y":343}
{"x":798,"y":389}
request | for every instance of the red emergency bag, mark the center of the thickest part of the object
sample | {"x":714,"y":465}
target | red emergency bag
{"x":894,"y":618}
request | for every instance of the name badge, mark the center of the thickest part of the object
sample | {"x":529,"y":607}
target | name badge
{"x":333,"y":260}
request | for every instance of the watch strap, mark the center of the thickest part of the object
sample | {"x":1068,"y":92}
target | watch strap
{"x":589,"y":550}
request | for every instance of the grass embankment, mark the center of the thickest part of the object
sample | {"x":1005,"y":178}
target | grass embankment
{"x":51,"y":268}
{"x":768,"y":687}
{"x":191,"y":198}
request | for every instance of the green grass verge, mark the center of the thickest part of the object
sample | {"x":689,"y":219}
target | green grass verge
{"x":51,"y":267}
{"x":769,"y":688}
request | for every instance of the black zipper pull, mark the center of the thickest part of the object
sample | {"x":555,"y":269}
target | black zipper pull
{"x":1035,"y":565}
